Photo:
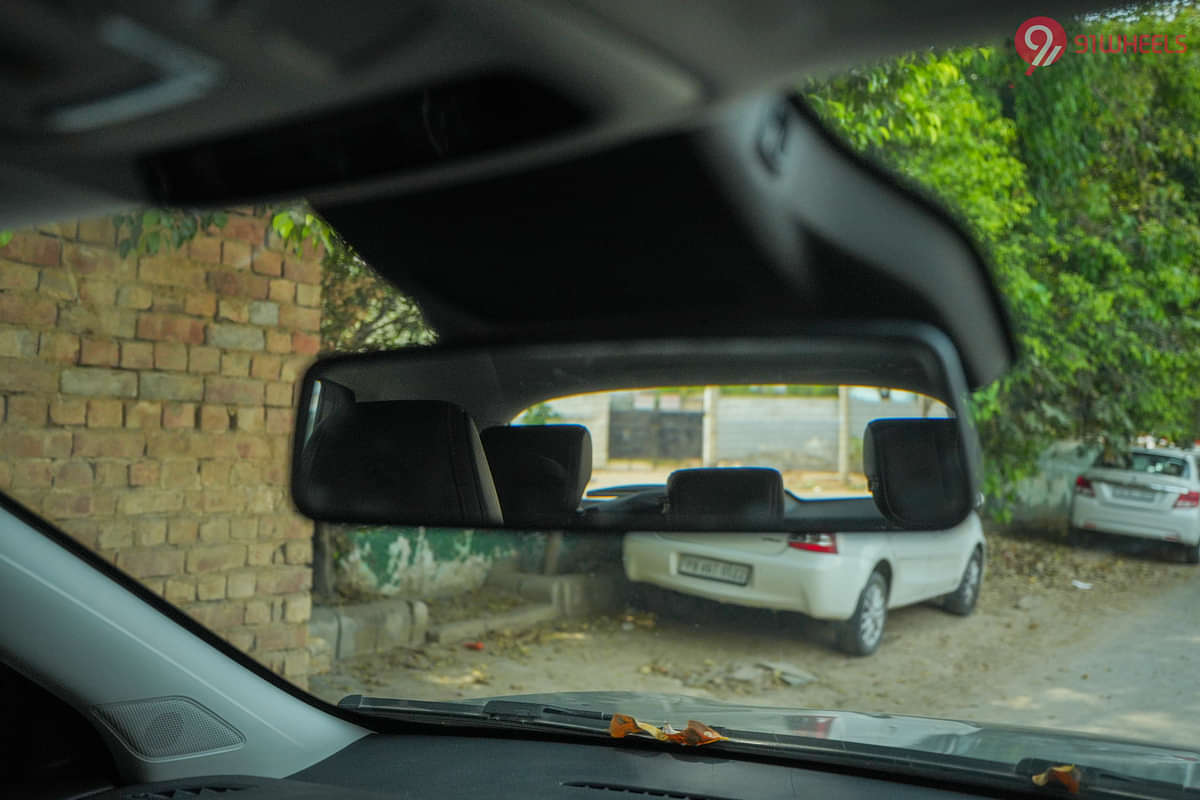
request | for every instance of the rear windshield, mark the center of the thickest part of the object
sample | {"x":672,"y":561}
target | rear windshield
{"x":1145,"y":462}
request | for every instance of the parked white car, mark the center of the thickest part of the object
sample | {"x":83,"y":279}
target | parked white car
{"x":853,"y":579}
{"x":1150,"y":493}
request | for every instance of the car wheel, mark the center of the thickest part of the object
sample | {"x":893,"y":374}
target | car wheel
{"x":962,"y":600}
{"x":861,"y":634}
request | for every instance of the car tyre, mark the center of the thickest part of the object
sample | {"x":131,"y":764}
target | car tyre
{"x":962,"y":600}
{"x":861,"y":634}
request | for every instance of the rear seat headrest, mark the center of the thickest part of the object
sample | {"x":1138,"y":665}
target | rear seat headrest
{"x":540,"y":470}
{"x":733,"y":492}
{"x":415,"y":461}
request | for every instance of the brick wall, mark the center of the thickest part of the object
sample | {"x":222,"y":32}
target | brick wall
{"x":147,"y":404}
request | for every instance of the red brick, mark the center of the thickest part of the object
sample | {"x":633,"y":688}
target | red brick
{"x":112,"y":474}
{"x":27,"y":309}
{"x":200,"y":304}
{"x":27,"y":409}
{"x":278,"y":394}
{"x":252,"y":230}
{"x":212,"y":587}
{"x":298,"y":318}
{"x":250,"y":418}
{"x":298,"y":551}
{"x":169,"y":386}
{"x":23,"y":375}
{"x":284,"y":580}
{"x":236,"y":284}
{"x":267,"y":262}
{"x":235,"y":254}
{"x":307,"y":344}
{"x":217,"y":558}
{"x":105,"y":413}
{"x":170,"y":355}
{"x":215,"y":473}
{"x":179,"y":590}
{"x":308,"y":295}
{"x":33,"y":473}
{"x":282,"y":291}
{"x":20,"y":442}
{"x":99,"y":352}
{"x":137,"y":355}
{"x":280,"y":341}
{"x":150,"y":563}
{"x":171,"y":271}
{"x":90,"y":321}
{"x":165,"y":327}
{"x":217,"y":616}
{"x":96,"y":444}
{"x":206,"y":249}
{"x":144,"y":473}
{"x":150,"y":532}
{"x":182,"y":530}
{"x":234,"y":309}
{"x":179,"y":415}
{"x":18,"y":276}
{"x":73,"y":475}
{"x":302,"y":271}
{"x":214,"y":418}
{"x":98,"y":293}
{"x":182,"y":473}
{"x":233,"y":391}
{"x":143,"y":415}
{"x":58,"y":284}
{"x":235,"y":365}
{"x":280,"y":636}
{"x":265,"y":367}
{"x":99,"y":230}
{"x":224,"y":499}
{"x":68,"y":411}
{"x":258,"y":613}
{"x":214,"y":531}
{"x":99,"y":382}
{"x":59,"y":505}
{"x":204,"y":360}
{"x":33,"y":248}
{"x":135,"y":297}
{"x":149,"y":501}
{"x":84,"y":531}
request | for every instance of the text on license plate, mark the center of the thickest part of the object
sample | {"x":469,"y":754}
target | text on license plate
{"x":714,"y":570}
{"x":1143,"y":495}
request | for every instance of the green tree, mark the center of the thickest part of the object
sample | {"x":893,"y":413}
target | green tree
{"x":1080,"y":184}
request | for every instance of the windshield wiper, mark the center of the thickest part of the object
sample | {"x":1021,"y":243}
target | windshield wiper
{"x":514,"y":712}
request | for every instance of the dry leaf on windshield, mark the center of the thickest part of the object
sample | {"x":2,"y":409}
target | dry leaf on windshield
{"x":1066,"y":776}
{"x":694,"y":735}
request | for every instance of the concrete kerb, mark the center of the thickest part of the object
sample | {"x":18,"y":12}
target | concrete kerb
{"x":383,"y":625}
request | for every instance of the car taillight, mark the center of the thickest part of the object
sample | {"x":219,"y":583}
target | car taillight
{"x":1084,"y":487}
{"x":814,"y":542}
{"x":1188,"y":500}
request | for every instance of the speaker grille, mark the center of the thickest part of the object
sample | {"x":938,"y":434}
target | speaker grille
{"x":168,"y":727}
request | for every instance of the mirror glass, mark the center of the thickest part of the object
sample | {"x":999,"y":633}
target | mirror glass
{"x":503,"y":438}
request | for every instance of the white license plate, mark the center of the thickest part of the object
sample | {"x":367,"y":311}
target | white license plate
{"x":714,"y":570}
{"x":1141,"y":495}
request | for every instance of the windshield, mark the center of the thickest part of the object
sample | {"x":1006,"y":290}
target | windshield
{"x":152,"y":359}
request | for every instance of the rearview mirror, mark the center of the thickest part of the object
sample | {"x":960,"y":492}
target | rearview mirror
{"x":426,"y":436}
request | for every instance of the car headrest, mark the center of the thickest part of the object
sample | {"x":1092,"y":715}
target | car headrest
{"x":729,"y":492}
{"x":397,"y":461}
{"x":540,"y":470}
{"x":917,"y":471}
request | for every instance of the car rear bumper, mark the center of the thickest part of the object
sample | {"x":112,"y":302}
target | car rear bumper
{"x":821,"y":585}
{"x":1182,"y":525}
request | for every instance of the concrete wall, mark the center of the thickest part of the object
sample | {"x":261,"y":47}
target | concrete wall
{"x":147,"y":405}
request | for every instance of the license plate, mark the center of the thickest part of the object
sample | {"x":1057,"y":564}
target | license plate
{"x":1141,"y":495}
{"x":714,"y":570}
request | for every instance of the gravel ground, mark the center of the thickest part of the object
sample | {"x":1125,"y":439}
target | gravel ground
{"x":1030,"y":617}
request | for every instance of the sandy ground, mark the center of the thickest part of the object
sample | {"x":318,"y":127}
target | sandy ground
{"x":1037,"y":651}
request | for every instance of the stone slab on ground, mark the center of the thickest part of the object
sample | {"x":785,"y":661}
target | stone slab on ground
{"x":365,"y":628}
{"x":574,"y":595}
{"x":518,"y":619}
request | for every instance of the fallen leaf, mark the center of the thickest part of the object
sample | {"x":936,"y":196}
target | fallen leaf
{"x":473,"y":645}
{"x":1066,"y":776}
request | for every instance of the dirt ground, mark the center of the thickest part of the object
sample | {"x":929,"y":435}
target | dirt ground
{"x":930,"y":663}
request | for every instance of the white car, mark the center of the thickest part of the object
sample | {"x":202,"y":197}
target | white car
{"x":849,"y":578}
{"x":1147,"y":493}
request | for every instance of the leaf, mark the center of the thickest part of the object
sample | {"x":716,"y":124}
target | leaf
{"x":124,"y":247}
{"x":1067,"y":776}
{"x":150,"y":217}
{"x":220,"y":219}
{"x":5,"y":238}
{"x":153,"y":241}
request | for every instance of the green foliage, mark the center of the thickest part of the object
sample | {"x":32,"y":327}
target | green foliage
{"x":541,"y":414}
{"x":5,"y":237}
{"x":154,"y":229}
{"x":1081,"y":184}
